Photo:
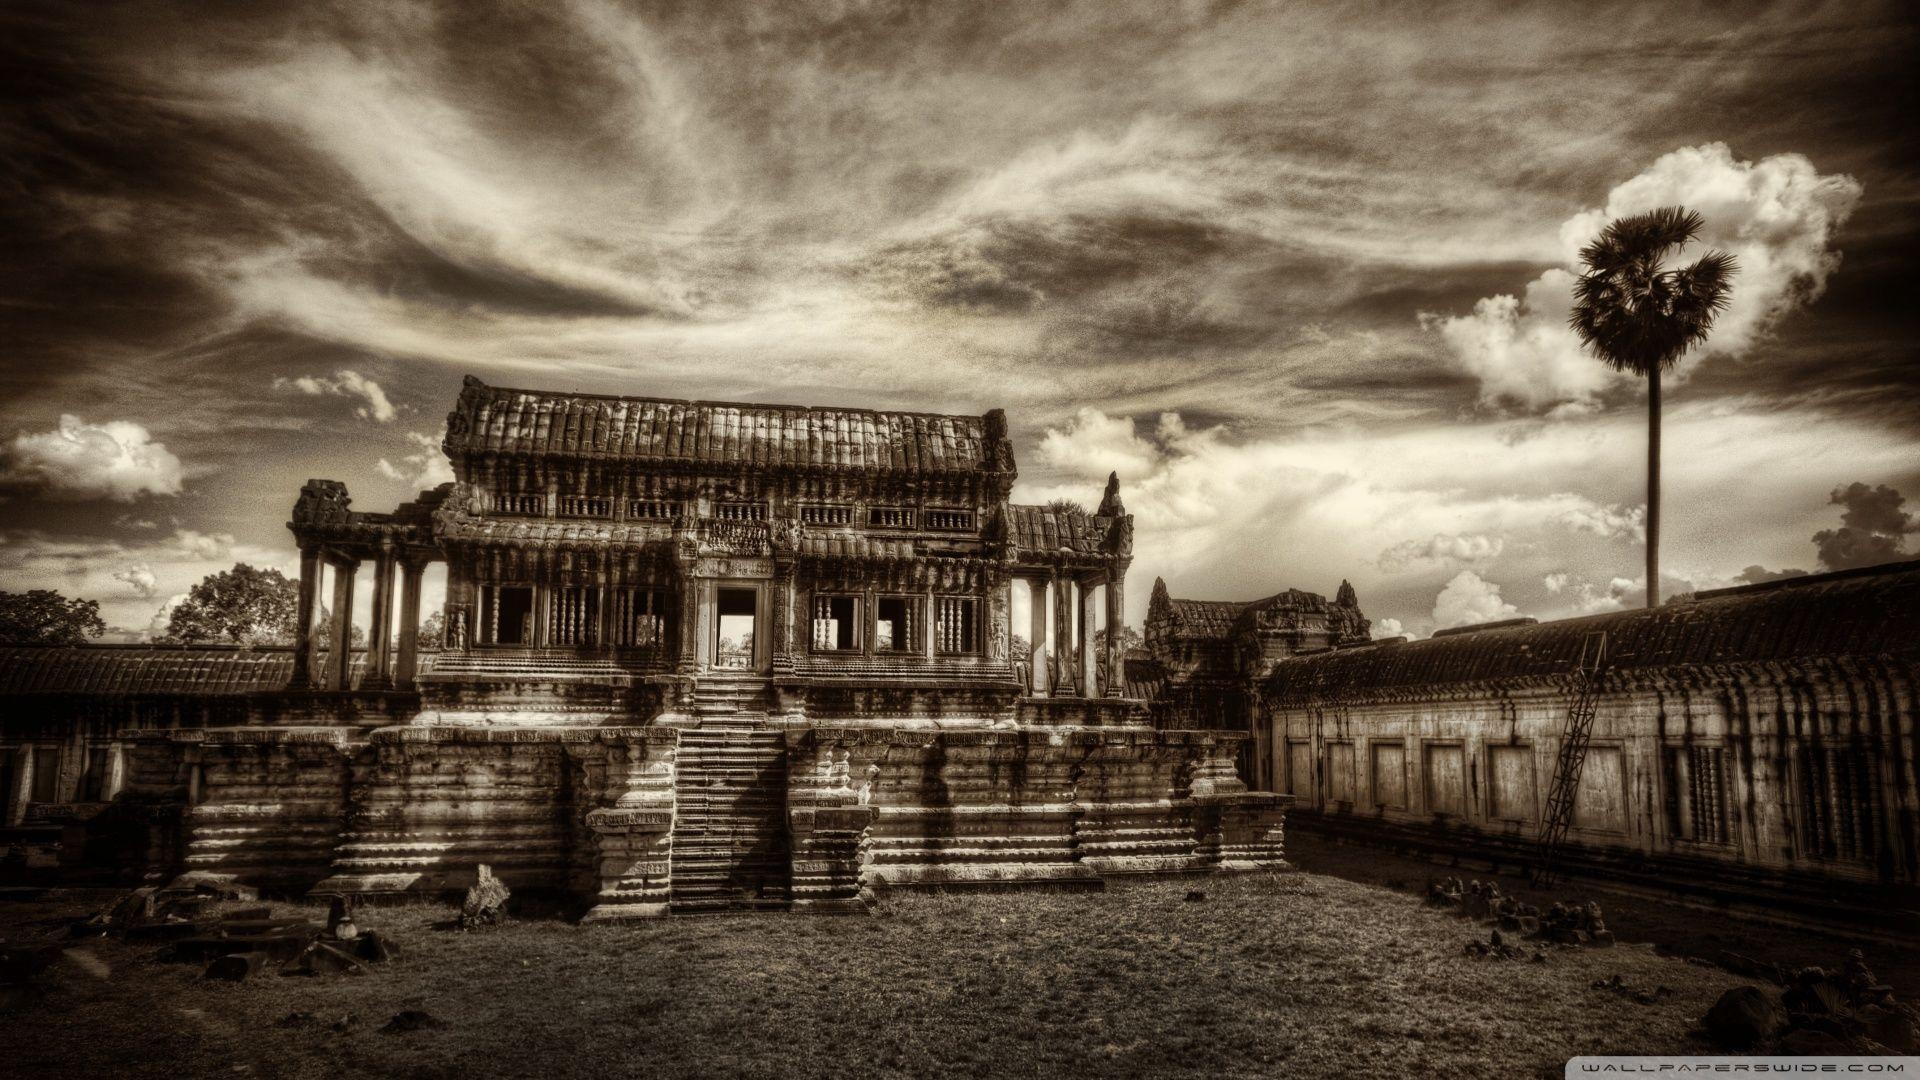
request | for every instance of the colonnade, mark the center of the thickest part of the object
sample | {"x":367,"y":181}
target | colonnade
{"x":1074,"y":623}
{"x":387,"y":667}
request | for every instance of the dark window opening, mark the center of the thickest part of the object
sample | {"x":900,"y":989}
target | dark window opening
{"x":46,"y":774}
{"x":893,"y":629}
{"x":835,"y":622}
{"x":511,"y":620}
{"x":93,"y":783}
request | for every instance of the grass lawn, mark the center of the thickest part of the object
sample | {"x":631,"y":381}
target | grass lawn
{"x":1286,"y":974}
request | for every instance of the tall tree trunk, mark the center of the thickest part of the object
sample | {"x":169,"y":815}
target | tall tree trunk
{"x":1653,"y":488}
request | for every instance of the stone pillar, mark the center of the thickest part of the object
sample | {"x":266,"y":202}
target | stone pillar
{"x":689,"y":619}
{"x":407,"y":664}
{"x":1089,"y":672}
{"x":1037,"y":629}
{"x":781,"y":630}
{"x":1060,"y":677}
{"x":1116,"y":620}
{"x":380,"y":632}
{"x":340,"y":661}
{"x":308,"y":615}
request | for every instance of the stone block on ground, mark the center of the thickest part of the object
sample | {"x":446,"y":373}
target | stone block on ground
{"x":236,"y":967}
{"x":1743,"y":1018}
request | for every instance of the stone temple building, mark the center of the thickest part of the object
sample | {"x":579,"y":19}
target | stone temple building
{"x":704,"y":655}
{"x":1752,"y":743}
{"x":697,"y":654}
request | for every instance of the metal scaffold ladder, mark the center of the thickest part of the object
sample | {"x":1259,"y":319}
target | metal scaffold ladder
{"x":1573,"y":755}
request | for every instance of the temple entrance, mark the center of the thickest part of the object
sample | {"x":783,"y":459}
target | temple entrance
{"x":514,"y":625}
{"x":734,"y":645}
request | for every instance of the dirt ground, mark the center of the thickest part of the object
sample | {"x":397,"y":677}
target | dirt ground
{"x":1673,"y":928}
{"x":1268,"y":975}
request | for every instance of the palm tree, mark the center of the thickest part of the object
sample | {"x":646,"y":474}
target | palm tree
{"x":1640,"y":317}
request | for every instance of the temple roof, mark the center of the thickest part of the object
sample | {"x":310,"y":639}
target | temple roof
{"x":494,"y":419}
{"x":1206,"y":618}
{"x":1853,"y":613}
{"x":146,"y":669}
{"x":1049,"y":529}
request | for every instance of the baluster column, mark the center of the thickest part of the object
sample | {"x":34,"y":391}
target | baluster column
{"x":340,"y":660}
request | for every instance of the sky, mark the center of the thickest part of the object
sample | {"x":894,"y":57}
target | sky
{"x":1298,"y":273}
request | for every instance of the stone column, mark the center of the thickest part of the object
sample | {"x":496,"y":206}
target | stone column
{"x":380,"y":630}
{"x":688,"y":618}
{"x":781,"y":630}
{"x":1116,"y":617}
{"x":407,"y":664}
{"x":340,"y":662}
{"x":1037,"y":629}
{"x":308,"y":615}
{"x":1089,"y":659}
{"x":1060,"y":676}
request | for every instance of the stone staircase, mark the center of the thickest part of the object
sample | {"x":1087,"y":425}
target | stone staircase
{"x":730,"y":846}
{"x":730,"y":697}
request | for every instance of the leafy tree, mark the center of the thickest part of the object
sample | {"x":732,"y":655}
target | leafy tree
{"x":44,"y":617}
{"x":1640,"y":317}
{"x":243,"y":605}
{"x":433,"y":630}
{"x":1065,"y":506}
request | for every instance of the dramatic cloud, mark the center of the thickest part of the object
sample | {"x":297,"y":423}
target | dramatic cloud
{"x":1468,"y":599}
{"x":1777,"y":216}
{"x":1389,"y":628}
{"x":1873,"y":529}
{"x":117,"y":460}
{"x":345,"y":383}
{"x":1185,"y":243}
{"x":424,"y":468}
{"x":1755,"y":575}
{"x":138,"y":578}
{"x":1441,"y":550}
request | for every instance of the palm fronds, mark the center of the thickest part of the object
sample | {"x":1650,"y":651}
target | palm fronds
{"x":1635,"y":314}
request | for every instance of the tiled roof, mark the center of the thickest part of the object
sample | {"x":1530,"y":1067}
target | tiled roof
{"x":1048,"y":529}
{"x":502,"y":420}
{"x":1206,"y":618}
{"x":146,"y":669}
{"x":1855,"y":613}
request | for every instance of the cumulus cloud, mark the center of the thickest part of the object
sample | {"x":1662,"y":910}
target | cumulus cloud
{"x":78,"y":461}
{"x":1608,"y":522}
{"x":139,"y":578}
{"x":191,"y":544}
{"x":1756,"y":574}
{"x":163,"y":617}
{"x":426,"y":467}
{"x":1390,"y":628}
{"x":1872,"y":529}
{"x":344,"y":383}
{"x":1441,"y":549}
{"x":1777,"y":216}
{"x":1469,"y":599}
{"x":1555,"y":583}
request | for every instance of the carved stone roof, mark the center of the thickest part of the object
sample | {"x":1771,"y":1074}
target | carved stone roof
{"x":1853,"y":613}
{"x":1205,"y":618}
{"x":1046,"y":529}
{"x":146,"y":669}
{"x":493,"y":419}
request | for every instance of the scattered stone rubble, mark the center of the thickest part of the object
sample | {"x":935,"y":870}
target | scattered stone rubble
{"x":1847,"y":1012}
{"x":1560,"y":924}
{"x":238,"y":943}
{"x":486,"y":901}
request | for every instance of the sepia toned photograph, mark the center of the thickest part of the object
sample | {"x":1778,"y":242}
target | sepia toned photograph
{"x":1055,"y":539}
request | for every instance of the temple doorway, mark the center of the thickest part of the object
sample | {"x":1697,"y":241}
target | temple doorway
{"x":515,"y":625}
{"x":734,"y":626}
